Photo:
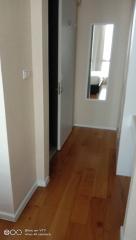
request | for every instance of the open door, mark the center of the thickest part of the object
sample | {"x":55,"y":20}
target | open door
{"x":66,"y":68}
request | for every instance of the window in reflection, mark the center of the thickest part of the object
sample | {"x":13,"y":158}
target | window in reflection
{"x":100,"y":60}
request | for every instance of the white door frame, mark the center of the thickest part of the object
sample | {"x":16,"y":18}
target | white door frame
{"x":59,"y":72}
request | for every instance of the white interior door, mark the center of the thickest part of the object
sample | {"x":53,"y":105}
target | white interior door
{"x":66,"y":62}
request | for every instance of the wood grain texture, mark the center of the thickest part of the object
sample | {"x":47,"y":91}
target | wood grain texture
{"x":84,"y":199}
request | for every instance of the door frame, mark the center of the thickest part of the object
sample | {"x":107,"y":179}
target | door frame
{"x":59,"y":72}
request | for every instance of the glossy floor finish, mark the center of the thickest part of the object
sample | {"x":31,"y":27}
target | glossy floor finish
{"x":84,"y":200}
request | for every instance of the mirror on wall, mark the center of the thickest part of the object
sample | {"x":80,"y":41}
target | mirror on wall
{"x":100,"y":59}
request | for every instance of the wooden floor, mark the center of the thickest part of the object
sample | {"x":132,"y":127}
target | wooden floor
{"x":84,"y":200}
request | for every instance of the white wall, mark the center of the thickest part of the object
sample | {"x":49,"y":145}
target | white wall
{"x":45,"y":86}
{"x":101,"y":113}
{"x":129,"y":228}
{"x":39,"y":23}
{"x":123,"y":92}
{"x":6,"y":195}
{"x":15,"y":48}
{"x":127,"y":143}
{"x":36,"y":29}
{"x":24,"y":152}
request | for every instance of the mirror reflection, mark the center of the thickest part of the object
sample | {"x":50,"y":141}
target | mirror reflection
{"x":100,"y":59}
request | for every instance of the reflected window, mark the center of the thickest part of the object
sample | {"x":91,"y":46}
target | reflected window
{"x":100,"y":60}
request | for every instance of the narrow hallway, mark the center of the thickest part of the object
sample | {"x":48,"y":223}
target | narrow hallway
{"x":84,"y":199}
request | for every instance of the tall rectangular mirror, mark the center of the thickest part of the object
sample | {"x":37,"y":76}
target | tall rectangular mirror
{"x":100,"y":59}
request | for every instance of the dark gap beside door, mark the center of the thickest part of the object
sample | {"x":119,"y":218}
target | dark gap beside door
{"x":53,"y":75}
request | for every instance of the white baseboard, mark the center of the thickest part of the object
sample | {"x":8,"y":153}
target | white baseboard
{"x":14,"y":217}
{"x":7,"y":216}
{"x":123,"y":174}
{"x":25,"y":201}
{"x":121,"y":233}
{"x":97,"y":127}
{"x":43,"y":183}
